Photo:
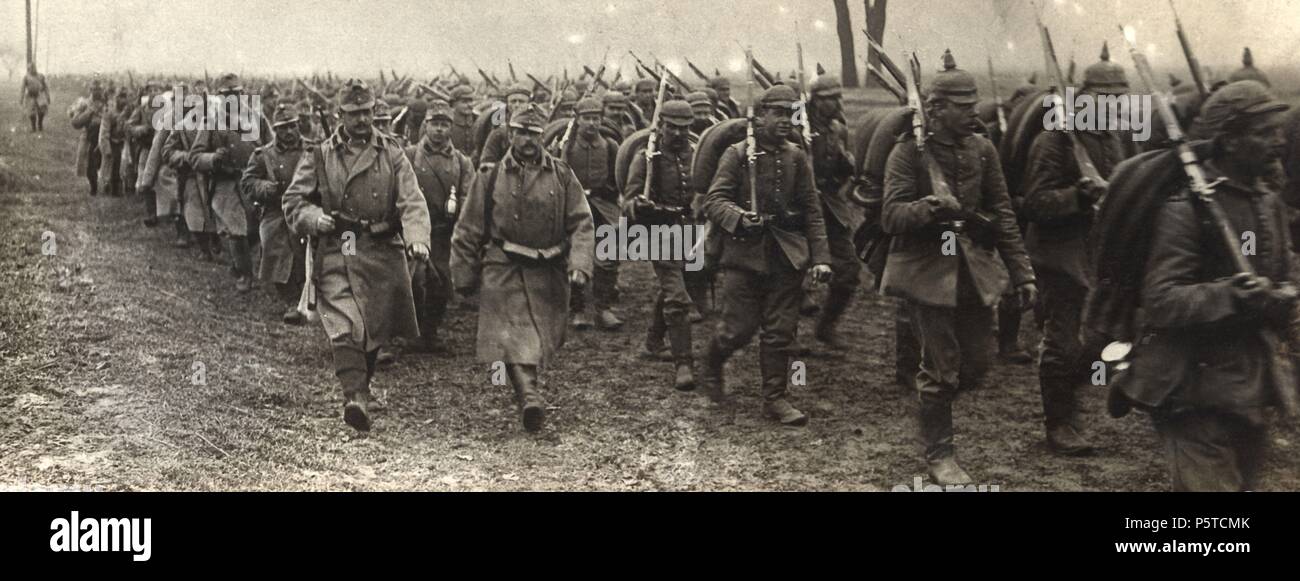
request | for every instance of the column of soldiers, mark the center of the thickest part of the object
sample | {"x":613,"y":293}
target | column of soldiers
{"x":398,"y":227}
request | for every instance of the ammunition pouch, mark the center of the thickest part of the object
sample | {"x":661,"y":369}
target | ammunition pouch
{"x":653,"y":214}
{"x":375,"y":229}
{"x":534,"y":256}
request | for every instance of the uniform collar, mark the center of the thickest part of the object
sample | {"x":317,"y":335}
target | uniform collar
{"x":428,"y":147}
{"x":547,"y":163}
{"x":1213,"y":173}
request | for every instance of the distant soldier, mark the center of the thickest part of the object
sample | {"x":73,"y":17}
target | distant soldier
{"x":112,"y":142}
{"x":87,"y":117}
{"x":195,"y":199}
{"x":643,"y":102}
{"x":566,"y":109}
{"x":518,"y":97}
{"x":1205,"y":371}
{"x":524,"y":237}
{"x":159,"y":180}
{"x":268,"y":174}
{"x":723,"y":87}
{"x":368,"y":219}
{"x":1058,"y":203}
{"x":943,"y":262}
{"x":445,"y":175}
{"x":462,"y":126}
{"x":765,"y":252}
{"x":591,"y":156}
{"x":669,"y":204}
{"x":1248,"y":72}
{"x":702,"y":111}
{"x":833,"y":170}
{"x":34,"y":96}
{"x":219,"y":155}
{"x":140,"y":130}
{"x":617,"y":118}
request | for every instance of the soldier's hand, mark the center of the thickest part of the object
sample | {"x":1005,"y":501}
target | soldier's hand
{"x":577,"y":278}
{"x":220,"y":155}
{"x":822,"y":273}
{"x":1090,"y":190}
{"x":751,"y":221}
{"x":629,"y":210}
{"x":1027,"y":294}
{"x":324,"y":224}
{"x":418,"y":251}
{"x":943,"y":208}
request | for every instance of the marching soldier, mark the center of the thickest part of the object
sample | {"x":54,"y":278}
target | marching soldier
{"x":159,"y":180}
{"x":702,"y":111}
{"x":195,"y":198}
{"x":767,"y":253}
{"x":566,"y":109}
{"x":591,"y":156}
{"x":669,"y":203}
{"x":112,"y":142}
{"x":268,"y":174}
{"x":518,"y":97}
{"x":946,"y":273}
{"x":833,"y":168}
{"x":726,"y":104}
{"x":219,"y":155}
{"x":615,"y":107}
{"x":445,"y":175}
{"x":524,"y":237}
{"x":1208,"y":375}
{"x":643,"y":102}
{"x":1058,"y":203}
{"x":34,"y":96}
{"x":462,"y":126}
{"x":87,"y":117}
{"x":368,"y":219}
{"x":141,"y":131}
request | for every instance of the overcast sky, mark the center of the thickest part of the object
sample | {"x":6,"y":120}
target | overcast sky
{"x":352,"y":36}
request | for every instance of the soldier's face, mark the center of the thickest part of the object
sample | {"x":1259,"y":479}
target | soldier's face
{"x":516,"y":101}
{"x":437,"y":130}
{"x":645,"y":95}
{"x":674,"y":136}
{"x":1259,"y":146}
{"x":527,"y":142}
{"x":359,"y":123}
{"x":724,"y":93}
{"x":588,"y":124}
{"x":287,"y":134}
{"x":463,"y":106}
{"x":702,"y":114}
{"x":776,"y":122}
{"x":960,"y":119}
{"x":614,"y":113}
{"x":828,"y":106}
{"x":541,"y":97}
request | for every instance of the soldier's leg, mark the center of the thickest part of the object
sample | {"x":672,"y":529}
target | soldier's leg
{"x":676,"y":313}
{"x":907,"y":348}
{"x":1209,"y":451}
{"x":241,"y":262}
{"x":580,"y":320}
{"x":92,"y":170}
{"x":1009,"y":314}
{"x":352,"y":368}
{"x":974,"y":325}
{"x":32,"y":118}
{"x":1062,"y":373}
{"x":657,"y":331}
{"x":604,"y":287}
{"x":115,"y":171}
{"x":742,"y":299}
{"x":936,"y":388}
{"x":150,"y":199}
{"x":532,"y":407}
{"x":848,"y":271}
{"x":780,"y":316}
{"x":697,"y":286}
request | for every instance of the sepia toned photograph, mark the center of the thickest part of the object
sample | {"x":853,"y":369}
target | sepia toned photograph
{"x":651,"y":245}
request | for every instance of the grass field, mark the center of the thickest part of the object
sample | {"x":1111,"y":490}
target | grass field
{"x":99,"y":345}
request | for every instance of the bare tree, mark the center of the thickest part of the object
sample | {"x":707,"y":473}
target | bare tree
{"x":11,"y":60}
{"x":875,"y":14}
{"x":844,"y":27}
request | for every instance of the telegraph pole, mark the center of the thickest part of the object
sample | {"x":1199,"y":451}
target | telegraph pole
{"x":29,"y":33}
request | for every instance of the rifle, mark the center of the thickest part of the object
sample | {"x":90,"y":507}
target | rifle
{"x":671,"y":75}
{"x":652,"y":144}
{"x":1086,"y":168}
{"x":537,"y":83}
{"x":751,"y":144}
{"x":434,"y":91}
{"x":806,"y":126}
{"x":573,"y":121}
{"x":997,"y":98}
{"x":307,"y":300}
{"x":595,"y":77}
{"x":1192,"y":61}
{"x":320,"y":110}
{"x":697,"y":71}
{"x":486,"y":79}
{"x":513,"y":77}
{"x":765,"y":76}
{"x":1203,"y":193}
{"x":642,"y":66}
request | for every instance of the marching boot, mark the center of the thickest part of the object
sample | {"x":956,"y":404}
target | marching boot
{"x":655,"y":348}
{"x":351,"y":366}
{"x":679,"y":335}
{"x":1009,"y":349}
{"x":1061,"y":413}
{"x":936,"y":434}
{"x":699,"y":294}
{"x":809,"y":306}
{"x":183,"y":239}
{"x":606,"y":320}
{"x":532,"y":408}
{"x":241,"y":263}
{"x":604,"y":289}
{"x":775,"y":404}
{"x":715,"y":359}
{"x":837,"y":302}
{"x":387,"y":355}
{"x":579,"y":320}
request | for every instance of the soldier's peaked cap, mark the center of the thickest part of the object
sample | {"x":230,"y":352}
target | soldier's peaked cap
{"x":826,"y":86}
{"x":228,"y":82}
{"x":355,"y":96}
{"x":462,"y":92}
{"x":518,"y":89}
{"x":589,"y":105}
{"x":677,"y":112}
{"x":1238,"y":100}
{"x":285,"y":114}
{"x":779,"y":96}
{"x":1248,"y":72}
{"x":614,"y":98}
{"x":528,"y":118}
{"x":953,"y":84}
{"x":438,"y":109}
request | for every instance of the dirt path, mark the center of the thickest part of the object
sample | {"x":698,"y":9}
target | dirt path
{"x":100,"y":345}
